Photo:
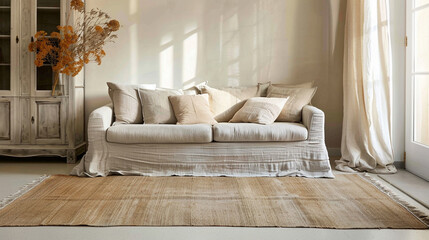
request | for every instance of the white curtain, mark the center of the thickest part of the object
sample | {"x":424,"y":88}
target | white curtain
{"x":366,"y":141}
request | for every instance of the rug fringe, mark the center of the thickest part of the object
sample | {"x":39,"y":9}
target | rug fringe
{"x":423,"y":217}
{"x":9,"y":199}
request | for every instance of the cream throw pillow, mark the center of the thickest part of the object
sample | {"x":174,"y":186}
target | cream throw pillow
{"x":230,"y":112}
{"x":298,"y":98}
{"x":126,"y":102}
{"x":260,"y":110}
{"x":263,"y":87}
{"x":192,"y":109}
{"x":156,"y":107}
{"x":219,"y":100}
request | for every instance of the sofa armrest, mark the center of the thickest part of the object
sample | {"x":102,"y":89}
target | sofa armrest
{"x":99,"y":121}
{"x":93,"y":163}
{"x":314,"y":119}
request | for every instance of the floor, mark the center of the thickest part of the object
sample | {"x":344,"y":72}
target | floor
{"x":14,"y":173}
{"x":413,"y":186}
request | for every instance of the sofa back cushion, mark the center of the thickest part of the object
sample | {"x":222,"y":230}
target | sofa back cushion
{"x":242,"y":93}
{"x":192,"y":109}
{"x":156,"y":107}
{"x":126,"y":102}
{"x":259,"y":110}
{"x":195,"y":90}
{"x":298,"y":98}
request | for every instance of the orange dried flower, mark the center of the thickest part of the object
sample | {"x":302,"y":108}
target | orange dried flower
{"x":68,"y":50}
{"x":99,"y":29}
{"x":31,"y":46}
{"x":77,"y":5}
{"x":38,"y":62}
{"x":113,"y":25}
{"x":40,"y":34}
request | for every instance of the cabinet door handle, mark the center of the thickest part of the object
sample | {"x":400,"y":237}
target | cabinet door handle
{"x":32,"y":39}
{"x":17,"y":39}
{"x":32,"y":120}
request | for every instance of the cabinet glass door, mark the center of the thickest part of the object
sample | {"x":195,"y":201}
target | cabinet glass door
{"x":5,"y":44}
{"x":48,"y":18}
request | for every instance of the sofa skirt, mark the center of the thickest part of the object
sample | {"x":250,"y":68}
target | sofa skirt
{"x":239,"y":159}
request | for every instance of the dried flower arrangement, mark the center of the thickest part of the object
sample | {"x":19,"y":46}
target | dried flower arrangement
{"x":69,"y":49}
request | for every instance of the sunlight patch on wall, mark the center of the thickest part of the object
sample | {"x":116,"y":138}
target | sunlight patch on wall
{"x":190,"y":27}
{"x":234,"y":74}
{"x":231,"y":50}
{"x":166,"y":39}
{"x":190,"y":54}
{"x":134,"y":49}
{"x":133,"y":7}
{"x":166,"y":68}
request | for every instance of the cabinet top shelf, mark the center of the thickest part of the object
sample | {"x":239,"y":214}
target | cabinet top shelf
{"x":4,"y":7}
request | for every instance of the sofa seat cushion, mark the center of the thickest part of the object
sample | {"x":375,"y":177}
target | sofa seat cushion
{"x":160,"y":133}
{"x":252,"y":132}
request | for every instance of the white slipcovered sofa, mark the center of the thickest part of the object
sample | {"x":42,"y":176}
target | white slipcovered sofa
{"x":224,"y":149}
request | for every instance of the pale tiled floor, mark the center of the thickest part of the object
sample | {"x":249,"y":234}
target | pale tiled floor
{"x":16,"y":173}
{"x":408,"y":183}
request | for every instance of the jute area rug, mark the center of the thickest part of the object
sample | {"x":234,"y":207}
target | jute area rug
{"x":348,"y":201}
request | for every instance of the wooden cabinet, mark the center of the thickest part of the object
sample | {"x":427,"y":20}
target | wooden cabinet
{"x":32,"y":122}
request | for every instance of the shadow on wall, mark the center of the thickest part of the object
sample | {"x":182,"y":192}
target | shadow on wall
{"x":232,"y":43}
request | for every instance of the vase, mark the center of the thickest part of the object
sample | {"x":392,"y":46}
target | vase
{"x":58,"y":84}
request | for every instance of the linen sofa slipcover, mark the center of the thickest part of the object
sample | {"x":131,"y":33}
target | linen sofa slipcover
{"x":160,"y":133}
{"x":304,"y":156}
{"x":253,"y":132}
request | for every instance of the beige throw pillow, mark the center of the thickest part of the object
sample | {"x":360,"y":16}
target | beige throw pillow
{"x":263,"y":87}
{"x":156,"y":107}
{"x":298,"y":98}
{"x":192,"y":109}
{"x":230,"y":112}
{"x":219,"y":100}
{"x":126,"y":102}
{"x":260,"y":110}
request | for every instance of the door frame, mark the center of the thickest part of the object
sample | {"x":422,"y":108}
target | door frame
{"x":416,"y":152}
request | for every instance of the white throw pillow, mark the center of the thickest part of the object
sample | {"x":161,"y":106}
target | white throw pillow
{"x":126,"y":102}
{"x":194,"y":90}
{"x":156,"y":107}
{"x":219,"y":100}
{"x":260,"y":110}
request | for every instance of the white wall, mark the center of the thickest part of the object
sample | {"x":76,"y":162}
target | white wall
{"x":228,"y":43}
